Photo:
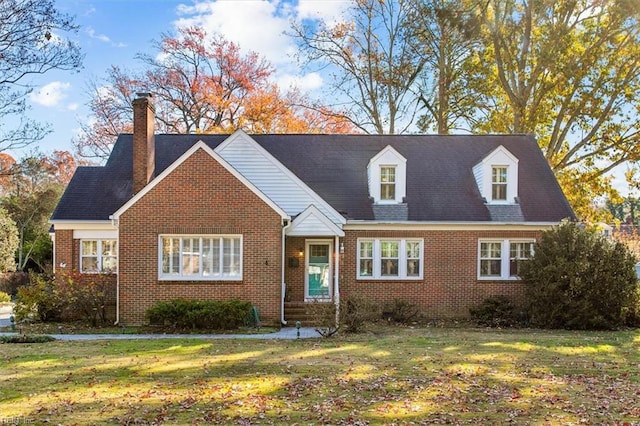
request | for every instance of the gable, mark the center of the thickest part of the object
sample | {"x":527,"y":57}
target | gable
{"x":198,"y":148}
{"x":312,"y":222}
{"x":387,"y":161}
{"x":272,"y":177}
{"x":500,"y":165}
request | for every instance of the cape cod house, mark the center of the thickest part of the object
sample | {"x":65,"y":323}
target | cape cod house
{"x":282,"y":220}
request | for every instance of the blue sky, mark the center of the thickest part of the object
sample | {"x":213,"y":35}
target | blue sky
{"x":112,"y":32}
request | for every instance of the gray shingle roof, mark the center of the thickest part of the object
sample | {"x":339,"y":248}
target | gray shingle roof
{"x":440,"y":182}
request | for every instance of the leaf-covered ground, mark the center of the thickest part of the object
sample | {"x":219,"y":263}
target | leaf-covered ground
{"x":396,"y":376}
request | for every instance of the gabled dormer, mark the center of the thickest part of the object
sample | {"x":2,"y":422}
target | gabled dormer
{"x":497,"y":177}
{"x":387,"y":175}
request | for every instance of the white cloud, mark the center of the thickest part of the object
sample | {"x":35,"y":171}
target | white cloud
{"x":50,"y":95}
{"x":306,"y":83}
{"x":259,"y":25}
{"x":92,"y":33}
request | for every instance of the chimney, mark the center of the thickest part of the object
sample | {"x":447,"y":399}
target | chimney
{"x":144,"y":146}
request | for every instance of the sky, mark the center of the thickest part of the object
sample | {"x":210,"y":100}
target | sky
{"x":112,"y":32}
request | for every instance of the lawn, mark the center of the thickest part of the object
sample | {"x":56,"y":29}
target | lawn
{"x":395,"y":376}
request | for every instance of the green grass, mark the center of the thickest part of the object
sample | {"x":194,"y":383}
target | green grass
{"x":396,"y":376}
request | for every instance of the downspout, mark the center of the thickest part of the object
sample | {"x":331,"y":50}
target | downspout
{"x":336,"y":286}
{"x":286,"y":223}
{"x":114,"y":222}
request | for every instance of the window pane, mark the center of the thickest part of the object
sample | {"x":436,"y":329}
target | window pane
{"x":413,"y":258}
{"x":207,"y":257}
{"x":190,"y":256}
{"x":366,"y":249}
{"x":89,"y":248}
{"x":519,"y":252}
{"x":109,"y":264}
{"x":389,"y":258}
{"x":366,"y":267}
{"x":109,"y":248}
{"x":231,"y":256}
{"x":90,"y":264}
{"x":490,"y":268}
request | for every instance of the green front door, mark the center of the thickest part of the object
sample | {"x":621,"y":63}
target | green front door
{"x":318,"y":277}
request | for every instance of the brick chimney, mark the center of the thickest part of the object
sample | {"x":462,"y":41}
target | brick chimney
{"x":144,"y":146}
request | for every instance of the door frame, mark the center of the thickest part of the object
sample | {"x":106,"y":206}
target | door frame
{"x":307,"y":252}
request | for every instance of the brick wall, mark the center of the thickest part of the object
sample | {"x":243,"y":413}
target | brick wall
{"x":449,"y":285}
{"x":199,"y":197}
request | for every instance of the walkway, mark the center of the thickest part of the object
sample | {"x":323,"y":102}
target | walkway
{"x":285,"y":333}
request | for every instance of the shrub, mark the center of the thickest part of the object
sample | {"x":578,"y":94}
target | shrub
{"x":4,"y":297}
{"x":39,"y":300}
{"x":68,"y":296}
{"x":356,"y":311}
{"x":579,"y":279}
{"x":26,"y":338}
{"x":401,"y":311}
{"x":323,"y":315}
{"x":200,"y":314}
{"x":494,"y":311}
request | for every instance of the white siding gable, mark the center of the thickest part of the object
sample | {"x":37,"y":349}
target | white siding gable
{"x":272,"y":177}
{"x":499,"y":157}
{"x":313,"y":223}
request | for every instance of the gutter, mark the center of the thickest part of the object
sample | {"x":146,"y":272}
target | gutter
{"x":114,"y":222}
{"x":286,"y":223}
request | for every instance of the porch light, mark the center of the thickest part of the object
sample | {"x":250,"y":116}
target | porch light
{"x":341,"y":247}
{"x":300,"y":252}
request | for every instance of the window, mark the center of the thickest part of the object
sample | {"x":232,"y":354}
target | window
{"x":390,"y":259}
{"x":520,"y":252}
{"x":98,"y":256}
{"x":499,"y":183}
{"x":387,"y":183}
{"x":201,"y":257}
{"x":501,"y":259}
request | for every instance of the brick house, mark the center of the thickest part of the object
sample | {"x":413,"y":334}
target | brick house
{"x":283,"y":220}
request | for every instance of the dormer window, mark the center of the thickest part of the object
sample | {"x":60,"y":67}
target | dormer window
{"x":387,"y":173}
{"x":388,"y":183}
{"x":499,"y":183}
{"x":497,"y":177}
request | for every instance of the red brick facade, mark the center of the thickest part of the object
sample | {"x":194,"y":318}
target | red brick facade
{"x":199,"y":197}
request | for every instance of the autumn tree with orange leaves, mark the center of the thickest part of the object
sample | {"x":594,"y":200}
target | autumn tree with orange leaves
{"x":201,"y":84}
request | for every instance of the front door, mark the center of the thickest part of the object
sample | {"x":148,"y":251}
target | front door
{"x":318,"y":270}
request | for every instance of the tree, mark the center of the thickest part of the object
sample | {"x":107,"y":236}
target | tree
{"x":201,"y":84}
{"x":580,"y":279}
{"x":567,"y":72}
{"x":31,"y":42}
{"x":446,"y":32}
{"x":372,"y":63}
{"x":38,"y":183}
{"x":8,"y":242}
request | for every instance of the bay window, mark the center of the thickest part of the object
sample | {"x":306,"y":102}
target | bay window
{"x":200,"y":257}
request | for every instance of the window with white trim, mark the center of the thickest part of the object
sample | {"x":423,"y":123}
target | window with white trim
{"x":390,"y":259}
{"x":387,"y":183}
{"x":499,"y":183}
{"x":501,"y":259}
{"x":200,"y":257}
{"x":98,"y":256}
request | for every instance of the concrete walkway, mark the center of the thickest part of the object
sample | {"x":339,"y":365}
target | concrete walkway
{"x":285,"y":333}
